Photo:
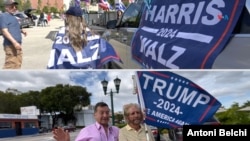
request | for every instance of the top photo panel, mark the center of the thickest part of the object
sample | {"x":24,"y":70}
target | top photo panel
{"x":125,"y":34}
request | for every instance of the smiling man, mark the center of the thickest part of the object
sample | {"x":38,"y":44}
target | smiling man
{"x":98,"y":131}
{"x":135,"y":129}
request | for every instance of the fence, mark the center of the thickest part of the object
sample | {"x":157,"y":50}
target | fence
{"x":100,"y":19}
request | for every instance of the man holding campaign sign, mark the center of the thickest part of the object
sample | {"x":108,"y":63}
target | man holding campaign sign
{"x":188,"y":34}
{"x":173,"y":101}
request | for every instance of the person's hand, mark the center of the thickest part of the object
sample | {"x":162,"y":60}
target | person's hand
{"x":17,"y":46}
{"x":24,"y":33}
{"x":60,"y":135}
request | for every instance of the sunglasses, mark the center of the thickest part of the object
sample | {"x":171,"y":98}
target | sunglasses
{"x":13,"y":6}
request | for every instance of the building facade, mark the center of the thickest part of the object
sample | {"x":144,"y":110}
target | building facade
{"x":12,"y":125}
{"x":59,"y":4}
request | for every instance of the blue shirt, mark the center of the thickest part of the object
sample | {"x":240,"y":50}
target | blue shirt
{"x":10,"y":22}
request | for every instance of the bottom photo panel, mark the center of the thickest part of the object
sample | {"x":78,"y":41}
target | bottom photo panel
{"x":124,"y":105}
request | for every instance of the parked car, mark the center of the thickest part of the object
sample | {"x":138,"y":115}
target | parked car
{"x":111,"y":24}
{"x":235,"y":54}
{"x":176,"y":134}
{"x":155,"y":132}
{"x":70,"y":128}
{"x":43,"y":130}
{"x":23,"y":19}
{"x":32,"y":17}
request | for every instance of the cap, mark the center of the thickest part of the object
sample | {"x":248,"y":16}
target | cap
{"x":10,"y":2}
{"x":74,"y":11}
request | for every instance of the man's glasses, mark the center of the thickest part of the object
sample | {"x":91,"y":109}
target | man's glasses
{"x":13,"y":6}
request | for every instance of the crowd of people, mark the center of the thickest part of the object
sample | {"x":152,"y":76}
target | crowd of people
{"x":135,"y":129}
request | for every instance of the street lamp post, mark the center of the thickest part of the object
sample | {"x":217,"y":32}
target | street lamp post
{"x":117,"y":82}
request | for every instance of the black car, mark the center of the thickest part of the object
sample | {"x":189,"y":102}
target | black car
{"x":32,"y":17}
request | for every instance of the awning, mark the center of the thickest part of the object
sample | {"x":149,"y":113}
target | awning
{"x":245,"y":109}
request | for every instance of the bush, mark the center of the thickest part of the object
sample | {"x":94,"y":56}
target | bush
{"x":120,"y":125}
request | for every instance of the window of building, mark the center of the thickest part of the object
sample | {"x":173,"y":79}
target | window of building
{"x":4,"y":125}
{"x":29,"y":125}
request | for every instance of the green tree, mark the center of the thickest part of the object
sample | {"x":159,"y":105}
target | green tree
{"x":64,"y":99}
{"x":20,"y":5}
{"x":119,"y":118}
{"x":1,"y":6}
{"x":53,"y":10}
{"x":111,"y":2}
{"x":246,"y":104}
{"x":8,"y":103}
{"x":233,"y":115}
{"x":27,"y":5}
{"x":39,"y":5}
{"x":45,"y":9}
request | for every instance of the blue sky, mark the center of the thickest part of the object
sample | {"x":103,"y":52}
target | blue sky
{"x":227,"y":86}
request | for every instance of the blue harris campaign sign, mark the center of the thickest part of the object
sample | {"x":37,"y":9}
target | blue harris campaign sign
{"x":184,"y":34}
{"x":172,"y":100}
{"x":94,"y":55}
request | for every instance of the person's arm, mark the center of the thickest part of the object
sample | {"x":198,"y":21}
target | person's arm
{"x":6,"y":34}
{"x":60,"y":135}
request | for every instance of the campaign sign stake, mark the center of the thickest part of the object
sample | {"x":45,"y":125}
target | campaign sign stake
{"x":173,"y":101}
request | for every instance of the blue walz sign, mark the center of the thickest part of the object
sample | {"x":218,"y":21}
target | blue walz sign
{"x":173,"y":101}
{"x":94,"y":55}
{"x":184,"y":34}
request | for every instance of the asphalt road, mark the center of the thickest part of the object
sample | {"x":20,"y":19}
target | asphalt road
{"x":39,"y":137}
